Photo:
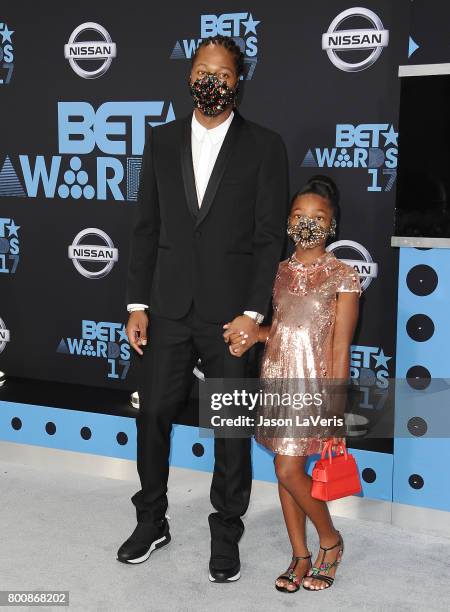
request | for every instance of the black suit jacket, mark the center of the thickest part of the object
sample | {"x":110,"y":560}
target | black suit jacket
{"x":223,"y":255}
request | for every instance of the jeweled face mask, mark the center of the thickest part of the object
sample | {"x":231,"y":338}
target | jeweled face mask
{"x":308,"y":232}
{"x":211,"y":95}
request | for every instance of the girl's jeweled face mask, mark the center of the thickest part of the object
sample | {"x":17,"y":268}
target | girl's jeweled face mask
{"x":211,"y":95}
{"x":308,"y":232}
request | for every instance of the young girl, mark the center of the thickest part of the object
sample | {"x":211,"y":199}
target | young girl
{"x":316,"y":300}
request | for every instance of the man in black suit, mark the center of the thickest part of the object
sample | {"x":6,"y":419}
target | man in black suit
{"x":207,"y":239}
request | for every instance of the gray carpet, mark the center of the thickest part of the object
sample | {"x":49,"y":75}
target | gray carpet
{"x":61,"y":531}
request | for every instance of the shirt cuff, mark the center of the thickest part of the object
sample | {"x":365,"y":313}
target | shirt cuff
{"x":133,"y":307}
{"x":259,"y":318}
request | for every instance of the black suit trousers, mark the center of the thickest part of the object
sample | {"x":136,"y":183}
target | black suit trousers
{"x":172,"y":351}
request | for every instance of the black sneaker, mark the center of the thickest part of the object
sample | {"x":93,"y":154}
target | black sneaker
{"x":146,"y":538}
{"x":224,"y":570}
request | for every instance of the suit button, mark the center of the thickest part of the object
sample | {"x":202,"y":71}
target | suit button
{"x":198,"y":233}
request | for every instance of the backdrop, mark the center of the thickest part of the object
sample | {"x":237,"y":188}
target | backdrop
{"x":80,"y":83}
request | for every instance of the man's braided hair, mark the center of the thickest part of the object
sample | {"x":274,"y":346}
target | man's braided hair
{"x":228,"y":43}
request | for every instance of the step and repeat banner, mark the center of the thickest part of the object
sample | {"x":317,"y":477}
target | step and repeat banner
{"x":80,"y":84}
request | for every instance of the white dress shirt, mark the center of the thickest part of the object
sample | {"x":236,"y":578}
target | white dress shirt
{"x":205,"y":145}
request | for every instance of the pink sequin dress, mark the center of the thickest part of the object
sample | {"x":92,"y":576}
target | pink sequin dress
{"x":300,"y":341}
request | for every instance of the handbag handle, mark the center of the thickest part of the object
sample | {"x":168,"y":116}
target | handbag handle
{"x":328,"y":447}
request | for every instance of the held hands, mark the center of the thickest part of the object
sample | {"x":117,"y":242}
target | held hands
{"x":137,"y":330}
{"x":241,"y":334}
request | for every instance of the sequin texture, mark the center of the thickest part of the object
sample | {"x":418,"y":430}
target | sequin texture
{"x":308,"y":232}
{"x":211,"y":95}
{"x":300,"y":341}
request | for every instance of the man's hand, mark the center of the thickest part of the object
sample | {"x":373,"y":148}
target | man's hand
{"x":241,"y":334}
{"x":137,"y":329}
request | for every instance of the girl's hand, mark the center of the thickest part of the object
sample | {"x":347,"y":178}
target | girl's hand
{"x":241,"y":334}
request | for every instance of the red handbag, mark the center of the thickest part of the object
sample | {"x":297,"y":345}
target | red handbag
{"x":336,"y":476}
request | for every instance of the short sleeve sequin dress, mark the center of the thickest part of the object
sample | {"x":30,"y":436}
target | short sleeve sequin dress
{"x":300,"y":341}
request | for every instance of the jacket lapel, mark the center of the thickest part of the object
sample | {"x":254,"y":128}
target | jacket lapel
{"x":219,"y":167}
{"x":187,"y":167}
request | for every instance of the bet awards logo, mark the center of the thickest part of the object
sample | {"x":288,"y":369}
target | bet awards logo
{"x":372,"y":146}
{"x":6,"y":54}
{"x":105,"y":254}
{"x":88,"y":164}
{"x":4,"y":335}
{"x":362,"y":263}
{"x":240,"y":26}
{"x":369,"y":42}
{"x":369,"y":365}
{"x":90,"y":59}
{"x":9,"y":246}
{"x":101,"y":340}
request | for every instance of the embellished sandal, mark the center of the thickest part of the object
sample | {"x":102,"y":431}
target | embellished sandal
{"x":322,"y":572}
{"x":291,"y":576}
